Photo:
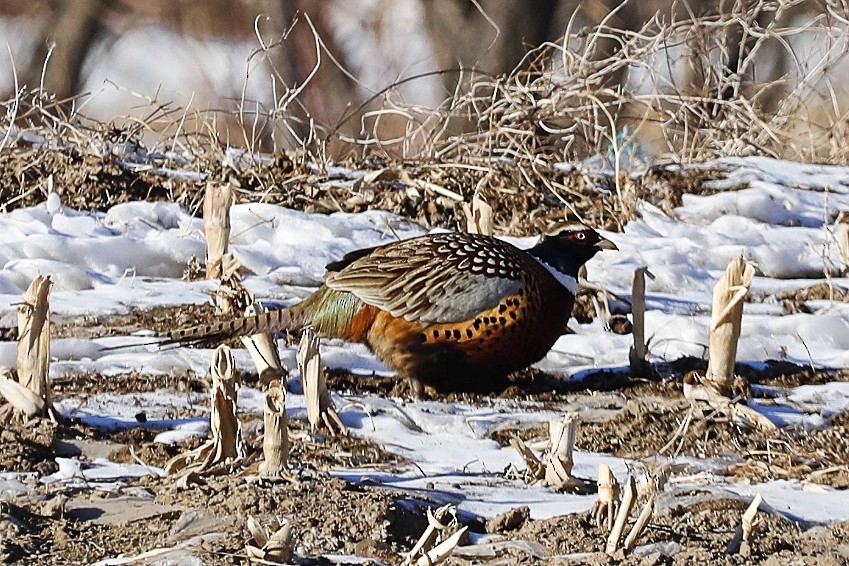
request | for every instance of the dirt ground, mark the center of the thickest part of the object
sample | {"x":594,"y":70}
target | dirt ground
{"x":80,"y":524}
{"x":53,"y":524}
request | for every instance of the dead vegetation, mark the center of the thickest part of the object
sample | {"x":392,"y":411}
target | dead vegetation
{"x":679,"y":89}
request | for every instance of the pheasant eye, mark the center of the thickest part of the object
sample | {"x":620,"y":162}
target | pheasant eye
{"x":581,"y":236}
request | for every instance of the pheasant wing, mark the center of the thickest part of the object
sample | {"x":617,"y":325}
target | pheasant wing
{"x":438,"y":278}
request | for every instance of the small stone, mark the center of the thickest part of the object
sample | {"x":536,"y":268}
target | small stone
{"x":509,"y":520}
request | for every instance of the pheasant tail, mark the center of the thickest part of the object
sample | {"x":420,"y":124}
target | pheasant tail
{"x":213,"y":333}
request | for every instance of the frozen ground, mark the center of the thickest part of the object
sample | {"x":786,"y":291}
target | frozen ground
{"x":134,"y":255}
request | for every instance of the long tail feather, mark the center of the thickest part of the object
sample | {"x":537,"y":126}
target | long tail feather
{"x":206,"y":334}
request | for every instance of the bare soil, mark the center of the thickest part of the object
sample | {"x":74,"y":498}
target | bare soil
{"x":55,"y":525}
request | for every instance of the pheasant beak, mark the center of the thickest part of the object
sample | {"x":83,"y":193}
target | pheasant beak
{"x":605,"y":244}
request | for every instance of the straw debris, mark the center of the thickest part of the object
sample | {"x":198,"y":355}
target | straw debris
{"x":268,"y":547}
{"x":442,"y":535}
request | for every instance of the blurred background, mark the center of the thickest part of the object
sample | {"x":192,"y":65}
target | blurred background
{"x":328,"y":62}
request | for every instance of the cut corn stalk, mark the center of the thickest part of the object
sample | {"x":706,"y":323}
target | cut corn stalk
{"x":263,"y":350}
{"x":750,"y":522}
{"x":33,"y":354}
{"x":275,"y":443}
{"x":653,"y":481}
{"x":558,"y":466}
{"x":226,"y":446}
{"x":320,"y":407}
{"x":715,"y":387}
{"x":726,"y":318}
{"x":747,"y":527}
{"x":443,"y":550}
{"x":555,"y":467}
{"x":226,"y":428}
{"x":217,"y":199}
{"x":33,"y":360}
{"x":639,"y":526}
{"x":637,"y":355}
{"x":604,"y":509}
{"x":439,"y":539}
{"x":629,"y":499}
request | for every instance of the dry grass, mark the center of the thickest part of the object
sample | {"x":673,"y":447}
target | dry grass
{"x":674,"y":91}
{"x":678,"y":89}
{"x":672,"y":87}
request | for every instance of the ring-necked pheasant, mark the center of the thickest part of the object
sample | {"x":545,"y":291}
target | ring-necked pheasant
{"x":453,"y":310}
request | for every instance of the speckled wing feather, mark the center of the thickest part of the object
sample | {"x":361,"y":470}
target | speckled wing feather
{"x":438,"y":278}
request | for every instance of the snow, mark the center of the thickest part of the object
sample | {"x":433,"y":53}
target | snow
{"x":133,"y":256}
{"x":106,"y":472}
